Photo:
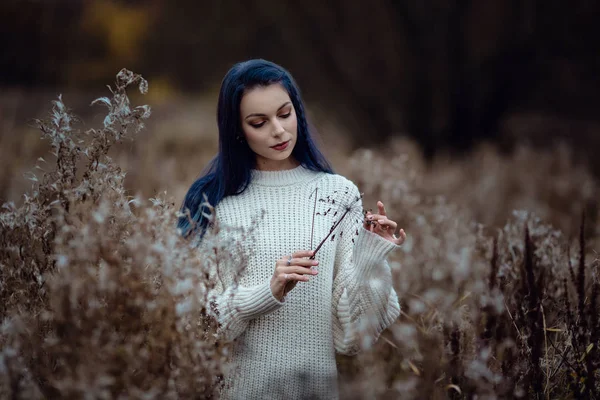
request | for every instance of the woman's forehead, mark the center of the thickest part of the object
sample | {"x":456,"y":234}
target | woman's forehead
{"x":264,"y":99}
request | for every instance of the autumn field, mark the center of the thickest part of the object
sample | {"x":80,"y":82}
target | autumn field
{"x":100,"y":296}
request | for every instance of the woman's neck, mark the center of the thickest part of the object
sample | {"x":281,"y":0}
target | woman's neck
{"x":284,"y":177}
{"x":276,"y":165}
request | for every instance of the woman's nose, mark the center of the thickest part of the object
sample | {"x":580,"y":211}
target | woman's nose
{"x":277,"y":128}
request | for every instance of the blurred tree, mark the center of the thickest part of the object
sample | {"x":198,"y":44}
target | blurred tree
{"x":446,"y":72}
{"x":119,"y":28}
{"x":36,"y":36}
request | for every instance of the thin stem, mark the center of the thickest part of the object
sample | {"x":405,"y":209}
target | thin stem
{"x":329,"y":234}
{"x":331,"y":231}
{"x":312,"y":229}
{"x":546,"y":353}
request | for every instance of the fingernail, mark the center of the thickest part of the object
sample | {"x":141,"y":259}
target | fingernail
{"x":316,"y":263}
{"x":314,"y":272}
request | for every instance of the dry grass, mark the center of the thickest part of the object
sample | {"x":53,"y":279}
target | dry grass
{"x":101,"y":297}
{"x":486,"y":310}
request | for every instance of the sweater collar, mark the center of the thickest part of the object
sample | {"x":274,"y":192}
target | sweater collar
{"x":282,"y":178}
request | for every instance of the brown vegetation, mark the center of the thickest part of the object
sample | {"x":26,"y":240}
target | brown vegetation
{"x":101,"y":297}
{"x":497,"y":279}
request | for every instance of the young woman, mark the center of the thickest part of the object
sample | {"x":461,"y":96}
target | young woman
{"x":276,"y":197}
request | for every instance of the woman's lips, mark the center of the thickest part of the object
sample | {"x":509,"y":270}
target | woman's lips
{"x":282,"y":146}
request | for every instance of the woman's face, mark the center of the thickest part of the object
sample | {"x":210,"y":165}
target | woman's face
{"x":270,"y":126}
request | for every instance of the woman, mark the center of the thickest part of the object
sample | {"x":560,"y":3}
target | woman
{"x":276,"y":196}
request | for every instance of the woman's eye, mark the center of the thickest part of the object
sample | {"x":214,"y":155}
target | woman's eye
{"x":257,"y":125}
{"x":285,"y":115}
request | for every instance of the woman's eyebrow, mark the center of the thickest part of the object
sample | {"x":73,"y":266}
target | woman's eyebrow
{"x":264,"y":115}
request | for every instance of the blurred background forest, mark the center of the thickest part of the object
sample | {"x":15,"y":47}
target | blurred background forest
{"x":446,"y":76}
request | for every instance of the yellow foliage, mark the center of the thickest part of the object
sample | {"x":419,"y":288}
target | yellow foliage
{"x":162,"y":91}
{"x":122,"y":26}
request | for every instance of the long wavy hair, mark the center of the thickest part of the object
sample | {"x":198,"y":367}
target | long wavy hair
{"x":229,"y":172}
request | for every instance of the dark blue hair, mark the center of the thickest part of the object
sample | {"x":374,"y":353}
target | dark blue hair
{"x":229,"y":173}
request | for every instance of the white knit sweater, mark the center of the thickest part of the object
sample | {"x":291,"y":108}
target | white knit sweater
{"x":286,"y":350}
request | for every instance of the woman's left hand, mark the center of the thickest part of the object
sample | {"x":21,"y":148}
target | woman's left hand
{"x":384,"y":227}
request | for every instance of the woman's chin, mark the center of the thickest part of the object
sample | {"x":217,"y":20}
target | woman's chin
{"x":281,"y":155}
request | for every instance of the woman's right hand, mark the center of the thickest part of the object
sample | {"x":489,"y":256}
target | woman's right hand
{"x":290,"y":270}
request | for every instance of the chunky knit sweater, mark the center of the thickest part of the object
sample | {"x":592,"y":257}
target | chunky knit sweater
{"x":286,"y":349}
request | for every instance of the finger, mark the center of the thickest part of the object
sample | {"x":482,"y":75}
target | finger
{"x":285,"y":278}
{"x":401,"y":237}
{"x":375,"y":217}
{"x":294,"y":258}
{"x":284,"y":261}
{"x":382,"y":220}
{"x":298,"y":270}
{"x":387,"y":224}
{"x":303,"y":262}
{"x":370,"y":221}
{"x":381,"y":208}
{"x":303,"y":253}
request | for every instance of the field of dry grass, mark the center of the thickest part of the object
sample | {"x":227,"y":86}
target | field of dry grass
{"x":498,"y":278}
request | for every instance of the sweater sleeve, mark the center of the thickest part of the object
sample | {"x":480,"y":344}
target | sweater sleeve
{"x":364,"y":300}
{"x":236,"y":306}
{"x":233,"y":305}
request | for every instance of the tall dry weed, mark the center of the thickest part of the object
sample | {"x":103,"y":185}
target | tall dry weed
{"x":486,"y":310}
{"x":101,"y":296}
